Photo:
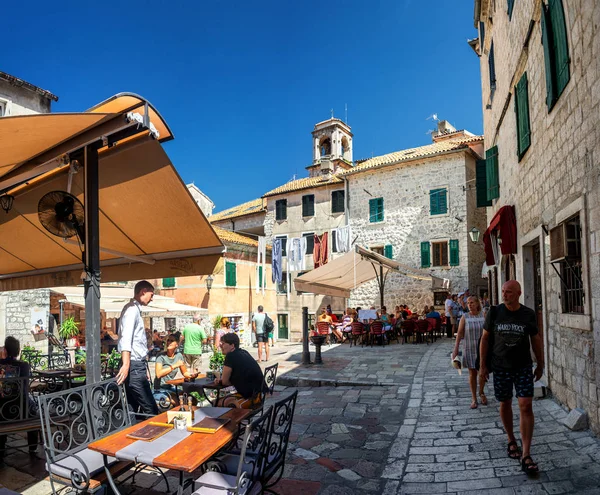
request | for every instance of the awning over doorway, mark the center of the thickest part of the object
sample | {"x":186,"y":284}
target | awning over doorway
{"x":504,"y":228}
{"x":340,"y":276}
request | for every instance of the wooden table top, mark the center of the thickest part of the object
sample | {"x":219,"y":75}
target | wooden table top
{"x":188,"y":454}
{"x":68,"y":373}
{"x":179,"y":381}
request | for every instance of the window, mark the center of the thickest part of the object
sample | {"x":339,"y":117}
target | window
{"x":439,"y":298}
{"x":312,"y":318}
{"x":481,"y":184}
{"x":337,"y":202}
{"x":325,"y":146}
{"x":492,"y":68}
{"x":2,"y":109}
{"x":334,"y":248}
{"x":491,"y":169}
{"x":168,"y":283}
{"x":260,"y":276}
{"x":556,"y":50}
{"x":388,"y":251}
{"x":454,"y":255}
{"x":281,"y":209}
{"x":522,"y":111}
{"x":283,"y":244}
{"x":438,"y":203}
{"x":481,"y":36}
{"x":425,"y":255}
{"x":281,"y":287}
{"x":230,"y":274}
{"x":572,"y":295}
{"x":377,"y":249}
{"x":511,"y":4}
{"x":440,"y":253}
{"x":310,"y":242}
{"x":308,"y":205}
{"x":376,"y":210}
{"x":171,"y":324}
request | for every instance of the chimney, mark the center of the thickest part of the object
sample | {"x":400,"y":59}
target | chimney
{"x":444,"y":127}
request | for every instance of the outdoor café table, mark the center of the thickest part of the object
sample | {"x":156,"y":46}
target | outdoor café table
{"x":185,"y":456}
{"x":51,"y":377}
{"x":200,"y":385}
{"x":178,"y":382}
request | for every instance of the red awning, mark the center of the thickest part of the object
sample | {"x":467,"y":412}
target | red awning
{"x":505,"y":225}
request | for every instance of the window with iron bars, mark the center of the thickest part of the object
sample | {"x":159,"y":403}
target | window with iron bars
{"x":572,"y":293}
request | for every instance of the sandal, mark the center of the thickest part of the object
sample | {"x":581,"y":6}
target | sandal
{"x":483,"y":399}
{"x":513,"y":450}
{"x":528,"y":465}
{"x":474,"y":404}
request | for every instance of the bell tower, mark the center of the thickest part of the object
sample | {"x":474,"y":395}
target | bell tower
{"x":332,"y":147}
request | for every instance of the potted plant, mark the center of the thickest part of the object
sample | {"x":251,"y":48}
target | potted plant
{"x":180,"y":422}
{"x":69,"y":329}
{"x":215,"y":363}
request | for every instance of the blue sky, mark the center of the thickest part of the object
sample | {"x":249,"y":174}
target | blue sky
{"x":242,"y":82}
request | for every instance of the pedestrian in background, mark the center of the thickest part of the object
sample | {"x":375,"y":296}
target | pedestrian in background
{"x":194,"y":338}
{"x":258,"y":328}
{"x":509,"y":332}
{"x":470,"y":329}
{"x":448,"y":308}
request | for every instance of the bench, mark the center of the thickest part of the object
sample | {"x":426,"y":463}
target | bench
{"x":71,"y":419}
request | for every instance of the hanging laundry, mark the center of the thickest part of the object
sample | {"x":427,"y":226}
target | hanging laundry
{"x":321,"y":250}
{"x":297,"y":254}
{"x":342,"y":239}
{"x":276,"y":269}
{"x":261,"y":262}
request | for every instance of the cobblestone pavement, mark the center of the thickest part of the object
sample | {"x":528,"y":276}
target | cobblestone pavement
{"x":398,"y":422}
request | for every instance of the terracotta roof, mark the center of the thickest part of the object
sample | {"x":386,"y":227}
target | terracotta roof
{"x":249,"y":208}
{"x":306,"y":183}
{"x":227,"y":236}
{"x":15,"y":81}
{"x":412,"y":153}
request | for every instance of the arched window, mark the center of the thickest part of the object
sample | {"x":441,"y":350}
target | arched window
{"x":345,"y":149}
{"x":325,"y":147}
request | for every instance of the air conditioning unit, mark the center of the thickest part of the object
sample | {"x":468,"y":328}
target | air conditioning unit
{"x":558,"y":243}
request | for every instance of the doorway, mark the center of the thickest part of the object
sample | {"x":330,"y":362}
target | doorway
{"x":538,"y":300}
{"x":282,"y":326}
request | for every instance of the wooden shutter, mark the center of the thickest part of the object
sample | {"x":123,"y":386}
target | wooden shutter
{"x":308,"y":205}
{"x":425,"y":255}
{"x":337,"y":202}
{"x":380,"y":209}
{"x":438,"y":203}
{"x":548,"y":58}
{"x":310,"y":242}
{"x":388,"y":251}
{"x":376,"y":210}
{"x":168,"y":282}
{"x":511,"y":4}
{"x":454,"y":256}
{"x":230,"y":274}
{"x":481,"y":185}
{"x":493,"y":187}
{"x":260,"y":276}
{"x":492,"y":67}
{"x":559,"y":44}
{"x":522,"y":112}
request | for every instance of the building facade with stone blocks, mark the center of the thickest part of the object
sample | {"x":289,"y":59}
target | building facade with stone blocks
{"x":246,"y":218}
{"x":202,"y":200}
{"x":18,"y":97}
{"x":417,"y":207}
{"x":541,"y":91}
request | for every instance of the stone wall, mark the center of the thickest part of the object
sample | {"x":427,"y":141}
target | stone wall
{"x":407,"y":222}
{"x":556,"y":178}
{"x":22,"y":101}
{"x":15,"y":315}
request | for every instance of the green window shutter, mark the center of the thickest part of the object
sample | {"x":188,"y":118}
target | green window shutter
{"x":493,"y":187}
{"x":454,"y":257}
{"x":548,"y":58}
{"x":376,"y":210}
{"x":425,"y":255}
{"x":337,"y":202}
{"x":308,"y":205}
{"x":230,"y":274}
{"x":388,"y":251}
{"x":438,"y":203}
{"x":281,"y":209}
{"x":522,"y":111}
{"x":168,"y":282}
{"x":511,"y":4}
{"x":481,"y":185}
{"x":260,"y":276}
{"x":310,"y":242}
{"x":559,"y":44}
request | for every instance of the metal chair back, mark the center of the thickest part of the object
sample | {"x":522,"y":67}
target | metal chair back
{"x":323,"y":328}
{"x":14,"y":397}
{"x":377,"y":328}
{"x":357,"y":328}
{"x":269,"y":382}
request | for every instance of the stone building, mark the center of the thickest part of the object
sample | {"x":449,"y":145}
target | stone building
{"x":18,"y":97}
{"x":202,"y":200}
{"x":417,"y":206}
{"x":541,"y":92}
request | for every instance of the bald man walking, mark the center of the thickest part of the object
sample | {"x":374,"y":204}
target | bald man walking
{"x":511,"y":329}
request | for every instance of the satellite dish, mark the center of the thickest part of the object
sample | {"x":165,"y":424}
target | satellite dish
{"x":62,"y":214}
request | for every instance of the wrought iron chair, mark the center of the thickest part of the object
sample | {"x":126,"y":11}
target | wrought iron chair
{"x":269,"y":381}
{"x":239,"y":472}
{"x":323,"y":329}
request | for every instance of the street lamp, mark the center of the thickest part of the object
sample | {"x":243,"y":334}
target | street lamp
{"x":209,"y":282}
{"x":474,"y":234}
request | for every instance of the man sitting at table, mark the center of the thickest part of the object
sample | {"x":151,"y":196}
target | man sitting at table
{"x":242,"y":371}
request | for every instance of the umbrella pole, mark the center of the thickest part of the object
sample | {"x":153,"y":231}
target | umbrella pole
{"x":92,"y":264}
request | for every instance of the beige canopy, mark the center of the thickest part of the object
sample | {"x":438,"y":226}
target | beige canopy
{"x":341,"y":275}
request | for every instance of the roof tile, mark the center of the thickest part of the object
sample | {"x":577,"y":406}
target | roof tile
{"x":306,"y":183}
{"x":254,"y":206}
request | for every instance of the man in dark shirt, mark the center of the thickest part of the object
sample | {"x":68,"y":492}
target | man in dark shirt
{"x":242,"y":371}
{"x":511,"y":329}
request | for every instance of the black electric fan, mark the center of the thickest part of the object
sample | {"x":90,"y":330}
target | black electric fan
{"x":62,"y":214}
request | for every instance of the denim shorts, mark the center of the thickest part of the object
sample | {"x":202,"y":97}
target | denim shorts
{"x":522,"y":380}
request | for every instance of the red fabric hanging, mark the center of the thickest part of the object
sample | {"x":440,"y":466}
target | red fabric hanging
{"x":321,"y":251}
{"x":505,"y":222}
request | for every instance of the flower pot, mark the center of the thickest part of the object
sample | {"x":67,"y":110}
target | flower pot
{"x":179,"y":423}
{"x":72,"y":342}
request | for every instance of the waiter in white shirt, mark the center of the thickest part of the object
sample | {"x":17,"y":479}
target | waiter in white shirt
{"x":133,"y":346}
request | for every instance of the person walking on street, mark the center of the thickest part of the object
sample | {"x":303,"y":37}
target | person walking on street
{"x":193,"y":339}
{"x":448,"y":308}
{"x":258,"y":327}
{"x":470,"y":328}
{"x":509,"y":331}
{"x":134,"y":349}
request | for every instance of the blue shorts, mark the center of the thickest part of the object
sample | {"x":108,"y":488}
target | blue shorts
{"x":522,"y":380}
